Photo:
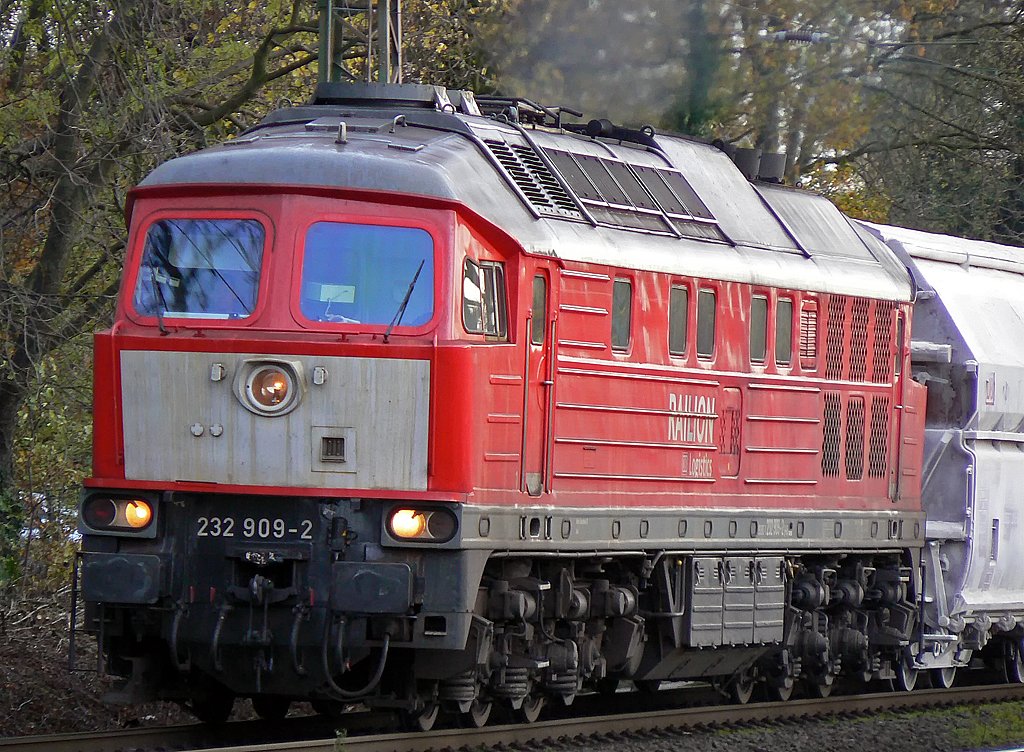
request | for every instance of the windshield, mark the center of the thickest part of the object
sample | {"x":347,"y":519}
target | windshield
{"x":361,"y":274}
{"x":200,"y":268}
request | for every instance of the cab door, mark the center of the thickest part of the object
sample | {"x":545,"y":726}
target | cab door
{"x":538,"y":380}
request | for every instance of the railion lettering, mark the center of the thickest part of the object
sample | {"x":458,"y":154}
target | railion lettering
{"x":692,"y":420}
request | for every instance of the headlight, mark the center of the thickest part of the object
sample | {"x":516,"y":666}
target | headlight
{"x":269,"y":387}
{"x":427,"y":525}
{"x":105,"y":514}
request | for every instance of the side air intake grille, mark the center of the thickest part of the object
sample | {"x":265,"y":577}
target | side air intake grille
{"x":830,"y":437}
{"x":859,"y":340}
{"x":855,"y":438}
{"x":879,"y":441}
{"x":881,"y":365}
{"x":534,"y":179}
{"x":835,"y":336}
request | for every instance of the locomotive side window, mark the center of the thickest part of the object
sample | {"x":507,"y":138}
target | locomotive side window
{"x":758,"y":328}
{"x":540,"y":307}
{"x":200,"y":268}
{"x":367,"y":274}
{"x":706,"y":323}
{"x":622,"y":304}
{"x":784,"y":331}
{"x":678,"y":311}
{"x":483,"y":298}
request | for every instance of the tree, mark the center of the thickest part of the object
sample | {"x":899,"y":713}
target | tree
{"x":94,"y":94}
{"x":948,"y":144}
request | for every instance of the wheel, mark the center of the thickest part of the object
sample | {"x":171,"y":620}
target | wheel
{"x":819,"y":690}
{"x":779,"y":692}
{"x":530,"y":710}
{"x":477,"y":715}
{"x":422,"y":719}
{"x":607,"y":687}
{"x":943,"y":678}
{"x":906,"y":674}
{"x":742,"y":688}
{"x":331,"y":709}
{"x":271,"y":708}
{"x":647,"y":686}
{"x":213,"y":708}
{"x":1013,"y":661}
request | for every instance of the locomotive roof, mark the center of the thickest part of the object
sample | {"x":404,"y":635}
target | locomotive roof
{"x":538,"y":185}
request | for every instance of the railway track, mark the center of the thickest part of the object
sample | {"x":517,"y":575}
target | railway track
{"x":359,"y":735}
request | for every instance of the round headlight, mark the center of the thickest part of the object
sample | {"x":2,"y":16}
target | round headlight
{"x":408,"y":523}
{"x":270,"y":387}
{"x":99,"y":513}
{"x":137,"y":514}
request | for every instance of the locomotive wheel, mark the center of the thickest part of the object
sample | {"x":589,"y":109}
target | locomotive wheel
{"x":1013,"y":661}
{"x":422,"y":719}
{"x":742,"y":689}
{"x":271,"y":708}
{"x":647,"y":686}
{"x":477,"y":715}
{"x":906,"y":675}
{"x":943,"y":678}
{"x":530,"y":710}
{"x":779,"y":692}
{"x":819,"y":690}
{"x":331,"y":709}
{"x":213,"y":708}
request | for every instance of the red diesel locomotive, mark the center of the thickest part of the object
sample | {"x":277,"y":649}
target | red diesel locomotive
{"x":414,"y":407}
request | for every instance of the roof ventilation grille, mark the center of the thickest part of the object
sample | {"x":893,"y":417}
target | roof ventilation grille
{"x":534,"y":179}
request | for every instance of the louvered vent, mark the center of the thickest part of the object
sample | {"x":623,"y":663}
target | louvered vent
{"x":855,"y":438}
{"x":830,"y":436}
{"x":859,"y":340}
{"x":878,"y":457}
{"x":808,"y":338}
{"x":881,"y":364}
{"x":834,"y":355}
{"x":729,"y":440}
{"x":332,"y":449}
{"x":534,"y":179}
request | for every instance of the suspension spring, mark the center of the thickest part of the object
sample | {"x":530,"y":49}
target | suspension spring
{"x":511,"y":683}
{"x":461,"y":688}
{"x":561,"y":684}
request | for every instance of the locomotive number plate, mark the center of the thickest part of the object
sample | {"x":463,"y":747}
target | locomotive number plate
{"x":254,"y":528}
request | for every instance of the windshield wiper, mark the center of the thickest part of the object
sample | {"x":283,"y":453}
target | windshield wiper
{"x":405,"y":301}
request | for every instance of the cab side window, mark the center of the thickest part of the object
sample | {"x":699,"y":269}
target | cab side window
{"x":706,"y":314}
{"x":783,"y":331}
{"x":678,"y":311}
{"x":758,"y":328}
{"x":622,"y":305}
{"x":483,"y":298}
{"x":539,"y":310}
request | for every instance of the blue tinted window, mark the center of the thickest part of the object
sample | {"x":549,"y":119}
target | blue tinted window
{"x":360,"y":274}
{"x":200,"y":268}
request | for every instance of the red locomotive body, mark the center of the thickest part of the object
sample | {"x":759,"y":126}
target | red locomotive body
{"x":535,"y":409}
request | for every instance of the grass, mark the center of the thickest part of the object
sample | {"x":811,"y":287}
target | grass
{"x":991,"y":726}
